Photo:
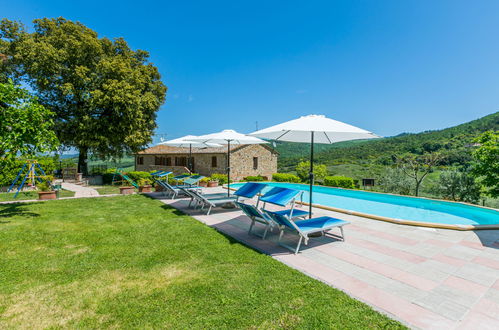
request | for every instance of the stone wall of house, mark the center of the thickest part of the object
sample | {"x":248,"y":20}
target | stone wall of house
{"x":241,"y":163}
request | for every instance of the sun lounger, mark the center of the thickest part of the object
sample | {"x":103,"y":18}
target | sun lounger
{"x":193,"y":180}
{"x":257,"y":215}
{"x":174,"y":191}
{"x":306,"y":227}
{"x":249,"y":190}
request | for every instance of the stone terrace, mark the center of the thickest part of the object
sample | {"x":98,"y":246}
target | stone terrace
{"x":426,"y":278}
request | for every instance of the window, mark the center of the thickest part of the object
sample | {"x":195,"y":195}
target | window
{"x":214,"y":161}
{"x":180,"y":161}
{"x":164,"y":161}
{"x":140,"y":160}
{"x":157,"y":160}
{"x":168,"y":161}
{"x":255,"y":163}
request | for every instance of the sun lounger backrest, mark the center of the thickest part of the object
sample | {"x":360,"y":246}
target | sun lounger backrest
{"x":250,"y":189}
{"x":280,"y":196}
{"x":163,"y":173}
{"x":180,"y":177}
{"x":282,"y":220}
{"x":249,"y":210}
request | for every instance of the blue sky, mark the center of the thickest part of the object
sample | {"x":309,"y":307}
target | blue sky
{"x":386,"y":66}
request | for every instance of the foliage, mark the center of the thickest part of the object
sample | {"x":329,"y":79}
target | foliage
{"x":26,"y":127}
{"x":339,"y":181}
{"x":417,"y":167}
{"x":486,"y":158}
{"x":44,"y":186}
{"x":394,"y":181}
{"x":453,"y":143}
{"x":285,"y":177}
{"x":220,"y":178}
{"x":256,"y":178}
{"x":104,"y":94}
{"x":139,"y":175}
{"x":144,"y":182}
{"x":303,"y":171}
{"x":133,"y":262}
{"x":458,"y":186}
{"x":205,"y":179}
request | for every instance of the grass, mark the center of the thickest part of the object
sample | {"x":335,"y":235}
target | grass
{"x":107,"y":189}
{"x":132,"y":262}
{"x":29,"y":195}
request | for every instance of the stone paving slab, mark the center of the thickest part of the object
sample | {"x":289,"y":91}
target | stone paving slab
{"x":426,"y":278}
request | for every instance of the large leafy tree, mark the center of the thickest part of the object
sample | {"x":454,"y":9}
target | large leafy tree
{"x":486,"y":158}
{"x":417,"y":167}
{"x":26,"y":127}
{"x":104,"y":94}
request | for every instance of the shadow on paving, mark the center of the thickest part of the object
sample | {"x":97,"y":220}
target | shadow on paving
{"x":17,"y":209}
{"x":488,"y":238}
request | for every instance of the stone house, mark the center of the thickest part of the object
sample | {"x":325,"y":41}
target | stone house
{"x":245,"y":160}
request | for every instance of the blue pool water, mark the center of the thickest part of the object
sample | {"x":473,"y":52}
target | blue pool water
{"x":396,"y":207}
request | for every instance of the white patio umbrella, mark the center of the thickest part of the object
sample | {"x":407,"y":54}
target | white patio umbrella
{"x":185,"y":141}
{"x":313,"y":129}
{"x":228,"y":137}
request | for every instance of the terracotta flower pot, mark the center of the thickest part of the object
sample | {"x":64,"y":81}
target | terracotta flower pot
{"x":145,"y":189}
{"x":212,"y":184}
{"x":46,"y":195}
{"x":126,"y":190}
{"x":203,"y":184}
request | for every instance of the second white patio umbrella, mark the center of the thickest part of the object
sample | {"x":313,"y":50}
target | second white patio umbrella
{"x":313,"y":129}
{"x":228,"y":137}
{"x":185,"y":141}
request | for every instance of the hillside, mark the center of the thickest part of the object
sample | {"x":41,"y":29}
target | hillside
{"x":453,"y":142}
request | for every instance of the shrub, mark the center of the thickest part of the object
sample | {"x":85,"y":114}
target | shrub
{"x":255,"y":178}
{"x":394,"y":181}
{"x":220,"y":178}
{"x":285,"y":177}
{"x":339,"y":181}
{"x":458,"y":186}
{"x":303,"y":171}
{"x":144,"y":181}
{"x":139,"y":175}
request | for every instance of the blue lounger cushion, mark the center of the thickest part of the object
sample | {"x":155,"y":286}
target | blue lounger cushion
{"x":250,"y":189}
{"x":280,"y":196}
{"x":319,"y":223}
{"x":296,"y":213}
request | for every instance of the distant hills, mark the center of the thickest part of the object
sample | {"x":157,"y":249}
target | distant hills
{"x":454,"y":142}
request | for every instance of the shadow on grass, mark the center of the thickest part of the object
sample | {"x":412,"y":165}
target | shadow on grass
{"x":17,"y":209}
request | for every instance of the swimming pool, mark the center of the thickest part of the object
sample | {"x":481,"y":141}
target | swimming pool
{"x":394,"y":208}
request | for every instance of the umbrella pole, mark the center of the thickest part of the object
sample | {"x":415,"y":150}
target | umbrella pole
{"x":311,"y":174}
{"x":190,"y":158}
{"x":228,"y":168}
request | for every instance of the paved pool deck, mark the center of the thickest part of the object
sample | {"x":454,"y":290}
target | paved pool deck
{"x":426,"y":278}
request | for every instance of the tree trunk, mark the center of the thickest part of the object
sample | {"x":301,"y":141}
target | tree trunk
{"x":418,"y":183}
{"x":82,"y":161}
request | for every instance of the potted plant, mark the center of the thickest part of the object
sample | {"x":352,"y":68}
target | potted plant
{"x":212,"y":182}
{"x":45,"y":191}
{"x":204,"y":182}
{"x":126,"y":190}
{"x":145,"y":185}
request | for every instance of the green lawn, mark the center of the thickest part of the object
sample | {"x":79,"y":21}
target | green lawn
{"x":28,"y":195}
{"x":132,"y":262}
{"x":107,"y":189}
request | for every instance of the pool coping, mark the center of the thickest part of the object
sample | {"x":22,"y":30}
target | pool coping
{"x":395,"y":220}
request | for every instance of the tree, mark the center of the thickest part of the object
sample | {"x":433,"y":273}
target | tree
{"x":104,"y":94}
{"x":395,"y":181}
{"x":458,"y":186}
{"x":486,"y":166}
{"x":417,"y":167}
{"x":303,"y":171}
{"x":26,"y":127}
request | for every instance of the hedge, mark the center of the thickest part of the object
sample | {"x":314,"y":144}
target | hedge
{"x":221,"y":178}
{"x":339,"y":181}
{"x":285,"y":177}
{"x":255,"y":178}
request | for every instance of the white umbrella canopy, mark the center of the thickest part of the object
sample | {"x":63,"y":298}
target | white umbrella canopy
{"x":185,"y":141}
{"x":228,"y":137}
{"x":314,"y":129}
{"x":325,"y":130}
